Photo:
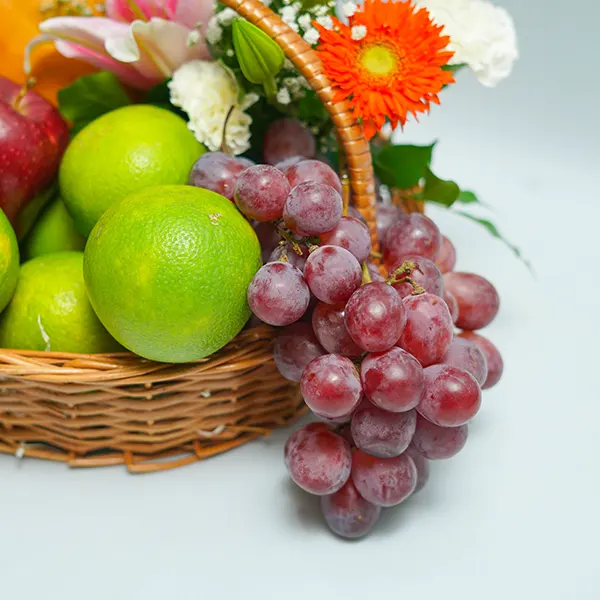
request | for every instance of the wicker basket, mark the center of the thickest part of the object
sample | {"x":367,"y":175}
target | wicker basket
{"x":121,"y":409}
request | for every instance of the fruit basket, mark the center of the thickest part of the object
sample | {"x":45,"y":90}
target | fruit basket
{"x":96,"y":410}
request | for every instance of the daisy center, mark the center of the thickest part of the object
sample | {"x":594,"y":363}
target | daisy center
{"x":378,"y":60}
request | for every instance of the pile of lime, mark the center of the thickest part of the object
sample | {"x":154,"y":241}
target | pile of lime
{"x":127,"y":256}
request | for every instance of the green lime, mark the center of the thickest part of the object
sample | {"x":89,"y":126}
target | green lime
{"x":123,"y":151}
{"x":54,"y":231}
{"x":9,"y":261}
{"x":50,"y":309}
{"x":167,"y":270}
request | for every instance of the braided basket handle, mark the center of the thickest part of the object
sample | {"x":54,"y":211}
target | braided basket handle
{"x":350,"y":133}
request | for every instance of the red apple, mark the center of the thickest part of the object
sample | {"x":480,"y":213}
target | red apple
{"x":33,"y":137}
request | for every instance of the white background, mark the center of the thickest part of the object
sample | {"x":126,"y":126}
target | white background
{"x":515,"y":515}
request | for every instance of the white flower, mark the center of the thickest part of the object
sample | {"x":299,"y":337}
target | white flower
{"x":206,"y":91}
{"x":226,"y":16}
{"x":283,"y":96}
{"x":304,"y":21}
{"x":214,"y":33}
{"x":288,"y":16}
{"x":482,"y":36}
{"x":311,"y":36}
{"x":349,"y":8}
{"x":325,"y":22}
{"x":193,"y":37}
{"x":358,"y":32}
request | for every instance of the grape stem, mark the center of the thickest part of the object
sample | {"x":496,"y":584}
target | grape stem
{"x":224,"y":147}
{"x":403,"y":275}
{"x":366,"y":274}
{"x":286,"y":234}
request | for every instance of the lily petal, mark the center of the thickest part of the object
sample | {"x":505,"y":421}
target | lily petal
{"x":192,"y":12}
{"x":131,"y":10}
{"x":157,"y":48}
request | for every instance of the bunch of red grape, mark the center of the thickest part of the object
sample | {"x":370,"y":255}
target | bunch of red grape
{"x":377,"y":359}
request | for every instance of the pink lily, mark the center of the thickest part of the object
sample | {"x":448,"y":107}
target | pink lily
{"x":141,"y":41}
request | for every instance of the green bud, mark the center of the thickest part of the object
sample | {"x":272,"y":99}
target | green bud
{"x":259,"y":56}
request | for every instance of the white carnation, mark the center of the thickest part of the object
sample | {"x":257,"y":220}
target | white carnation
{"x":482,"y":36}
{"x":206,"y":91}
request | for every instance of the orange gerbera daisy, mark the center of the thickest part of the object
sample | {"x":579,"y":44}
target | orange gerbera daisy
{"x":387,"y":61}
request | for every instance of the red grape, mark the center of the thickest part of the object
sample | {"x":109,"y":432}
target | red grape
{"x":332,"y":274}
{"x":422,"y":465}
{"x":353,"y":235}
{"x":288,"y":162}
{"x":387,"y":215}
{"x":493,"y":358}
{"x":329,"y":327}
{"x":427,"y":275}
{"x":315,"y":171}
{"x":392,"y":380}
{"x":465,"y":355}
{"x":261,"y":192}
{"x":452,"y":304}
{"x":268,"y":237}
{"x":451,"y":397}
{"x":245,"y":162}
{"x":478,"y":300}
{"x":295,"y":347}
{"x":428,"y":332}
{"x":374,"y":272}
{"x":216,"y":171}
{"x":354,"y":212}
{"x":348,"y":514}
{"x":384,"y":481}
{"x":446,"y":259}
{"x":375,"y":316}
{"x":435,"y":443}
{"x":278,"y":294}
{"x":285,"y":138}
{"x":319,"y":460}
{"x":380,"y":432}
{"x":312,"y":208}
{"x":330,"y":386}
{"x":414,"y":234}
{"x":286,"y":250}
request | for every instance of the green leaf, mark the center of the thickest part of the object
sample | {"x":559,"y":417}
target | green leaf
{"x":467,"y":197}
{"x":453,"y":68}
{"x":259,"y":56}
{"x":401,"y":167}
{"x":493,"y":230}
{"x":91,"y":96}
{"x":440,"y":191}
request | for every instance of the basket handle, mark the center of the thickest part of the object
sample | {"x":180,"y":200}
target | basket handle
{"x":349,"y":130}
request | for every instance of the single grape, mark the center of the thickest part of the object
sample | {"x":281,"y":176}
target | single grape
{"x":422,"y":465}
{"x":382,"y":433}
{"x":261,"y":192}
{"x":387,"y":215}
{"x":285,"y":138}
{"x":329,"y":327}
{"x":427,"y":275}
{"x":446,"y":259}
{"x":465,"y":355}
{"x":218,"y":172}
{"x":287,"y":251}
{"x":436,"y":443}
{"x":428,"y":332}
{"x":330,"y":386}
{"x":383,"y":481}
{"x":375,"y":272}
{"x":452,"y":304}
{"x":278,"y":294}
{"x":319,"y":460}
{"x":315,"y":171}
{"x":375,"y":316}
{"x":332,"y":274}
{"x":493,"y":358}
{"x":295,"y":347}
{"x":348,"y":514}
{"x":478,"y":300}
{"x":392,"y":380}
{"x":245,"y":162}
{"x":312,"y":208}
{"x":343,"y":420}
{"x":354,"y":212}
{"x":451,"y":397}
{"x":353,"y":235}
{"x":269,"y":239}
{"x":414,"y":234}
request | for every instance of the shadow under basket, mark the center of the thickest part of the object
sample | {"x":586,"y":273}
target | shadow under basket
{"x":112,"y":409}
